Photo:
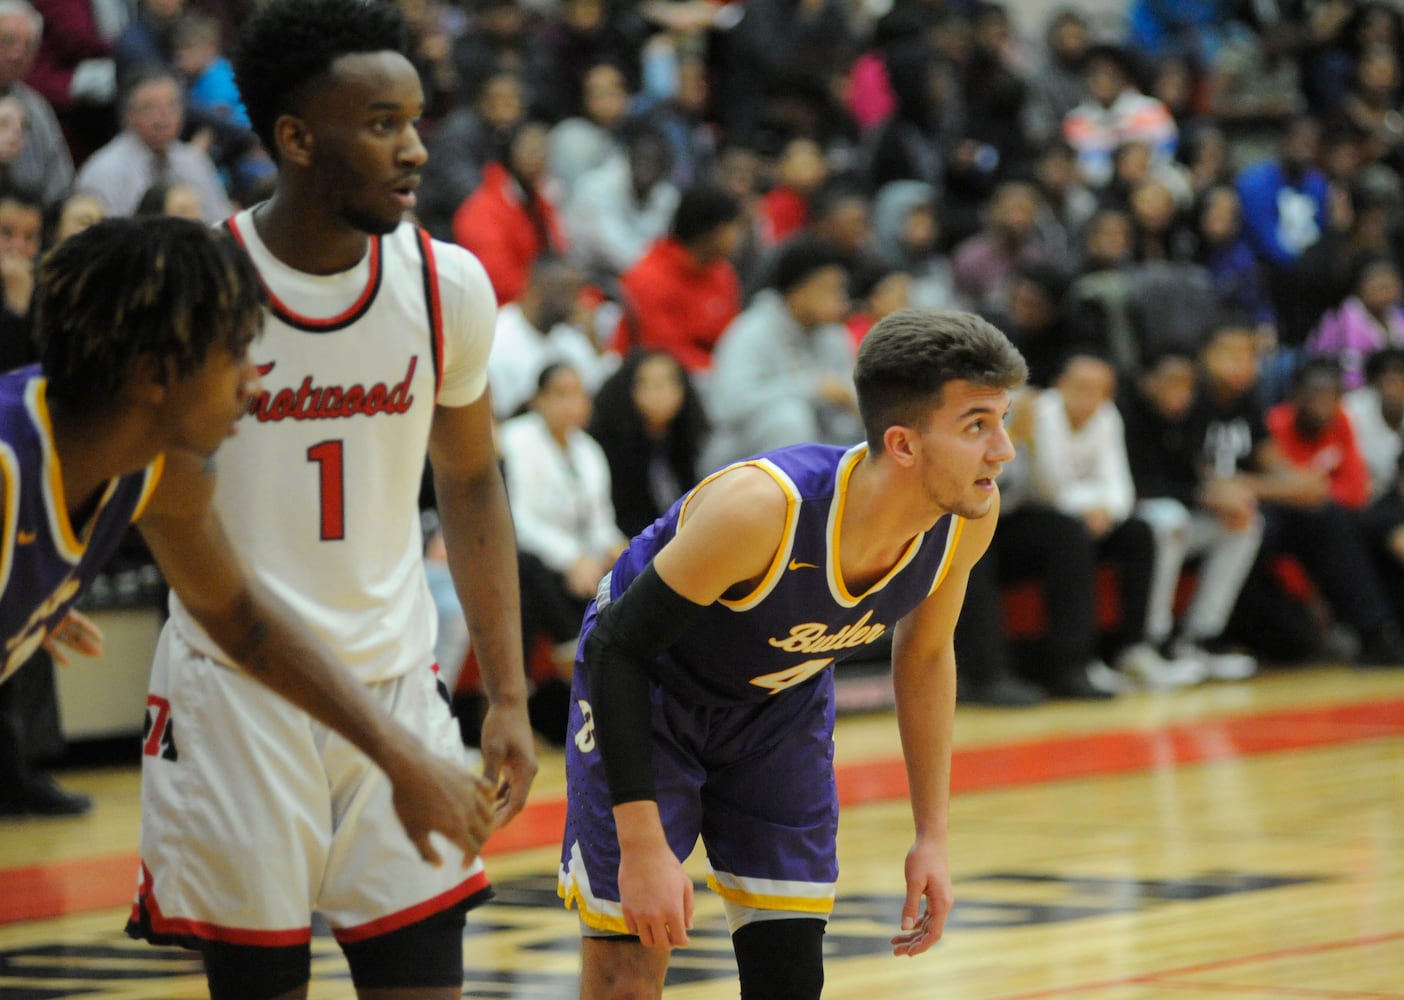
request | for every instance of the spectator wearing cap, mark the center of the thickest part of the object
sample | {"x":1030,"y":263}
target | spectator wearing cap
{"x":684,"y":291}
{"x":782,"y":371}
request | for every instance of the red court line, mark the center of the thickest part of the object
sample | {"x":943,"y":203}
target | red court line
{"x":51,"y":890}
{"x":1160,"y":978}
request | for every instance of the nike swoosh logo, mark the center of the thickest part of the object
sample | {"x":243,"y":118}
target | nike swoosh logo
{"x":25,"y":537}
{"x":795,"y":564}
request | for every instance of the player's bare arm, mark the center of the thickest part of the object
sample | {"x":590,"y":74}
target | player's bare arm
{"x":266,"y":639}
{"x":924,"y":678}
{"x":728,"y":539}
{"x":482,"y":556}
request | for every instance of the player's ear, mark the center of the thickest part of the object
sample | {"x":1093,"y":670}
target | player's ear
{"x":899,"y":441}
{"x":146,"y":380}
{"x":293,"y":140}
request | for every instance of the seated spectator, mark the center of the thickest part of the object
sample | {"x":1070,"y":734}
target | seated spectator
{"x":148,"y":39}
{"x":618,"y":209}
{"x":1066,"y":203}
{"x":1221,"y":248}
{"x":1156,"y":221}
{"x":1059,"y":83}
{"x":466,"y":140}
{"x":509,"y":221}
{"x":579,"y":144}
{"x":1376,"y":411}
{"x":559,"y":485}
{"x":681,"y":115}
{"x":906,"y":232}
{"x":70,"y":216}
{"x":1080,"y":467}
{"x":878,"y":289}
{"x":538,"y":330}
{"x":73,"y":68}
{"x":800,"y":172}
{"x":1284,"y":198}
{"x":649,"y":420}
{"x":1301,"y":519}
{"x":1115,"y":112}
{"x":1370,"y":319}
{"x":782,"y":372}
{"x":167,"y":198}
{"x":1313,"y":432}
{"x":12,"y":126}
{"x":43,"y":163}
{"x":1191,"y":517}
{"x":912,"y":144}
{"x":1038,"y":323}
{"x":684,"y":292}
{"x":984,"y":263}
{"x":21,"y":233}
{"x":149,"y":149}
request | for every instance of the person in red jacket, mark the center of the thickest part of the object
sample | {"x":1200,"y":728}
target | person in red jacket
{"x":684,"y":291}
{"x":1313,"y":432}
{"x":508,"y":221}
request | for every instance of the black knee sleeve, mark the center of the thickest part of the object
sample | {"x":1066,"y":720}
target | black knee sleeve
{"x":249,"y":972}
{"x":424,"y":954}
{"x":781,"y":959}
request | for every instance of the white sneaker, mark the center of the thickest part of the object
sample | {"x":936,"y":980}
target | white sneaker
{"x":1107,"y":680}
{"x":1218,"y":666}
{"x":1147,"y":666}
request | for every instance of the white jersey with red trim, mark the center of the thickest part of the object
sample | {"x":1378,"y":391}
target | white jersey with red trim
{"x":319,"y":490}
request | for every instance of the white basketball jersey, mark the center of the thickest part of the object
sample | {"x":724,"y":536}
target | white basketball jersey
{"x":319,"y":490}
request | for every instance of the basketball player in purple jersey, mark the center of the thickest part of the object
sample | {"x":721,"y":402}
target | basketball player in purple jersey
{"x":143,"y":328}
{"x":704,"y":699}
{"x":374,"y":352}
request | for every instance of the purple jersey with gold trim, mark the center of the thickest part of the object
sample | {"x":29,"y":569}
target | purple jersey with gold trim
{"x":44,"y":561}
{"x":801,"y":618}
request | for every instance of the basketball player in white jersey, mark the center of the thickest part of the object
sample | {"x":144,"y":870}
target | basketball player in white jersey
{"x":375,"y":348}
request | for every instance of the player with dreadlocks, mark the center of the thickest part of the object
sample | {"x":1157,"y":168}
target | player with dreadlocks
{"x":374,"y":353}
{"x":143,"y":329}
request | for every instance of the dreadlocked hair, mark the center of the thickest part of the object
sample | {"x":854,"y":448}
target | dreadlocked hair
{"x":169,"y":288}
{"x":290,"y":44}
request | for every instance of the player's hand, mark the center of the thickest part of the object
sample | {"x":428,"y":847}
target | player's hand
{"x":433,"y":795}
{"x":76,"y":632}
{"x":929,"y":899}
{"x":655,"y":895}
{"x":509,"y":758}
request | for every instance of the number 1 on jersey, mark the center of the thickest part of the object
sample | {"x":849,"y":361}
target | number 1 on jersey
{"x":327,"y":455}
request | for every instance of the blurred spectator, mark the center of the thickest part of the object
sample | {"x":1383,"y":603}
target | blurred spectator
{"x":1376,"y":411}
{"x":509,"y":221}
{"x":682,"y":117}
{"x":1160,"y":28}
{"x":559,"y":484}
{"x":579,"y":34}
{"x":1156,"y":224}
{"x":782,"y":372}
{"x":170,"y":198}
{"x":21,"y":233}
{"x":1372,"y":106}
{"x":799,"y":174}
{"x":1221,"y":248}
{"x":912,"y":144}
{"x":149,"y":149}
{"x":74,"y":70}
{"x":583,"y":142}
{"x":1284,"y":199}
{"x":1255,"y":86}
{"x":1080,"y":467}
{"x":210,"y":89}
{"x":1037,"y":322}
{"x":1217,"y":520}
{"x":43,"y":163}
{"x":495,"y":41}
{"x":1295,"y":501}
{"x":906,"y":232}
{"x":684,"y":292}
{"x":1066,"y":203}
{"x":1369,"y":319}
{"x":537,"y":330}
{"x":1115,"y":112}
{"x":878,"y":289}
{"x":618,"y":209}
{"x":984,"y":263}
{"x":71,"y":215}
{"x":149,"y":38}
{"x":1314,"y":433}
{"x":466,"y":140}
{"x":649,"y":420}
{"x":1059,"y":83}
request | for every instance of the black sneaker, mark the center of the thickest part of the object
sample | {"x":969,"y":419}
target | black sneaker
{"x":1075,"y":685}
{"x":1383,"y":647}
{"x":43,"y":796}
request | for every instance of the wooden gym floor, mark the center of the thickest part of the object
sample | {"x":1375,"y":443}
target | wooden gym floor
{"x":1241,"y":841}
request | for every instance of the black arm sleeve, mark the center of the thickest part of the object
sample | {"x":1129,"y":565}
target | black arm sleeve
{"x":646,"y":619}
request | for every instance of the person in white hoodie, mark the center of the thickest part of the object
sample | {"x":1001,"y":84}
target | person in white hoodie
{"x":1080,"y":467}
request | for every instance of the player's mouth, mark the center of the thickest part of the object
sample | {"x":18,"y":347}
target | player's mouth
{"x":404,"y":191}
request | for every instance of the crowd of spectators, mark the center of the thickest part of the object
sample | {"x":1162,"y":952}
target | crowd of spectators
{"x":1187,"y":215}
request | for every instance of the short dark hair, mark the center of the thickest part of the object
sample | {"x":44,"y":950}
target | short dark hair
{"x":170,"y":288}
{"x":906,"y":360}
{"x":290,"y":45}
{"x":797,"y":260}
{"x":1383,"y":361}
{"x":703,"y":208}
{"x":1320,"y":366}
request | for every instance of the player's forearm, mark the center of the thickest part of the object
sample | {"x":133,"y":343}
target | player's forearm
{"x":925,"y":696}
{"x":482,"y":557}
{"x":264,"y":638}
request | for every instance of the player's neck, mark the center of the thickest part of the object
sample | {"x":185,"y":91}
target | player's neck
{"x":878,"y":519}
{"x":95,"y":448}
{"x":306,"y":235}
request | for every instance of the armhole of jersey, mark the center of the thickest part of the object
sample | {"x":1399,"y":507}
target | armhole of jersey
{"x":787,"y":541}
{"x":10,"y":483}
{"x":952,"y":540}
{"x":433,"y":304}
{"x":153,"y":477}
